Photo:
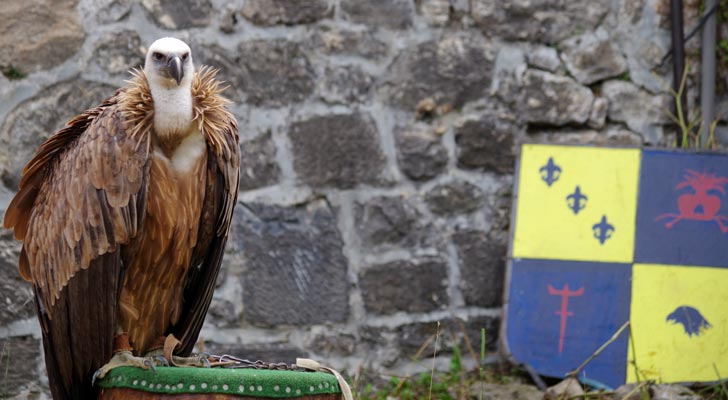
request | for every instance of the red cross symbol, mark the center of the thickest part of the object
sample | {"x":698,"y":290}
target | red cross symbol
{"x":564,"y":312}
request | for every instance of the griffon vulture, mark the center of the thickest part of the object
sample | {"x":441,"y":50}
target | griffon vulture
{"x":124,"y":215}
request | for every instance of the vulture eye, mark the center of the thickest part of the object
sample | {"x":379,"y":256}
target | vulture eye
{"x":158,"y":56}
{"x":185,"y":56}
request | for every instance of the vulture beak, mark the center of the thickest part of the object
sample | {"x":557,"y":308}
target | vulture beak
{"x":174,"y":68}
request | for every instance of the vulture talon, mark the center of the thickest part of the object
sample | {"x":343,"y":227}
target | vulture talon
{"x":150,"y":365}
{"x":162,"y":360}
{"x":96,"y":375}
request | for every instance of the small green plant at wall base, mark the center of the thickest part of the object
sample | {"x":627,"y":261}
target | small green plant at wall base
{"x":723,"y":50}
{"x":12,"y":72}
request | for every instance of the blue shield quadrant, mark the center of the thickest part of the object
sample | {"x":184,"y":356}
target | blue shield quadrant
{"x":560,"y":312}
{"x":682,"y":211}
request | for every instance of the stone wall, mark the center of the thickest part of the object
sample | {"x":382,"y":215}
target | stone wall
{"x":378,"y":141}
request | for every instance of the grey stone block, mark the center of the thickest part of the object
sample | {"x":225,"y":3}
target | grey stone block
{"x":436,"y":12}
{"x":409,"y":286}
{"x":332,"y":343}
{"x":345,"y":85}
{"x":549,"y":99}
{"x":338,"y":150}
{"x":545,"y":21}
{"x":543,"y":57}
{"x":598,"y":116}
{"x":482,"y":262}
{"x":338,"y":40}
{"x":487,"y":144}
{"x":118,"y":52}
{"x":294,"y":272}
{"x":452,"y":198}
{"x":451,"y":71}
{"x":258,"y":167}
{"x":592,"y":57}
{"x":37,"y":34}
{"x":643,"y":112}
{"x":109,"y":11}
{"x":392,"y":14}
{"x":420,"y":152}
{"x":175,"y":14}
{"x":286,"y":12}
{"x":275,"y":72}
{"x":390,"y":222}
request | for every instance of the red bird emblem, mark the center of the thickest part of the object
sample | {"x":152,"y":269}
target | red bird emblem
{"x":701,"y":205}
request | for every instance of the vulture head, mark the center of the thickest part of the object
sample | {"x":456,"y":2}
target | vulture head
{"x":169,"y":63}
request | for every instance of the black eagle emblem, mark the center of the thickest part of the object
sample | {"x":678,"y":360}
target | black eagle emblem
{"x":691,"y":319}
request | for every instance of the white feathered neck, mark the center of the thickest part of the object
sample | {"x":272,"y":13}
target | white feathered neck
{"x":172,"y":110}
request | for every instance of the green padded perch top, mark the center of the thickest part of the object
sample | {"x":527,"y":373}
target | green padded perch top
{"x":241,"y":382}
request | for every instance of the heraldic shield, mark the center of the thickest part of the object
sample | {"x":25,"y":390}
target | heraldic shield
{"x":602,"y":236}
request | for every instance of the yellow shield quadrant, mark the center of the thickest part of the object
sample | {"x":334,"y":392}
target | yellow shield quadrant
{"x":679,"y":323}
{"x":576,"y":203}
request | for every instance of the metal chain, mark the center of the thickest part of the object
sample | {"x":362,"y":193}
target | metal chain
{"x":229,"y":361}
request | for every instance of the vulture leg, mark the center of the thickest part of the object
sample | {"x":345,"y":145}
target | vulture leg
{"x":124,"y":359}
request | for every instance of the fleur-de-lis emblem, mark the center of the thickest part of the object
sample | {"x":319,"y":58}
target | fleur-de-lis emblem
{"x":550,"y":172}
{"x":577,"y":200}
{"x":603,"y":230}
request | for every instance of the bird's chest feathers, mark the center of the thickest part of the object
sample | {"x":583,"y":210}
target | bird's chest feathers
{"x":177,"y":186}
{"x":181,"y":156}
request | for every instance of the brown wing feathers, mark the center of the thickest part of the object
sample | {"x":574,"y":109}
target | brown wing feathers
{"x":86,"y":203}
{"x":77,"y":204}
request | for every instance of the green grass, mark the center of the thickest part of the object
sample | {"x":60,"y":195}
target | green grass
{"x":457,"y":383}
{"x":454,"y":384}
